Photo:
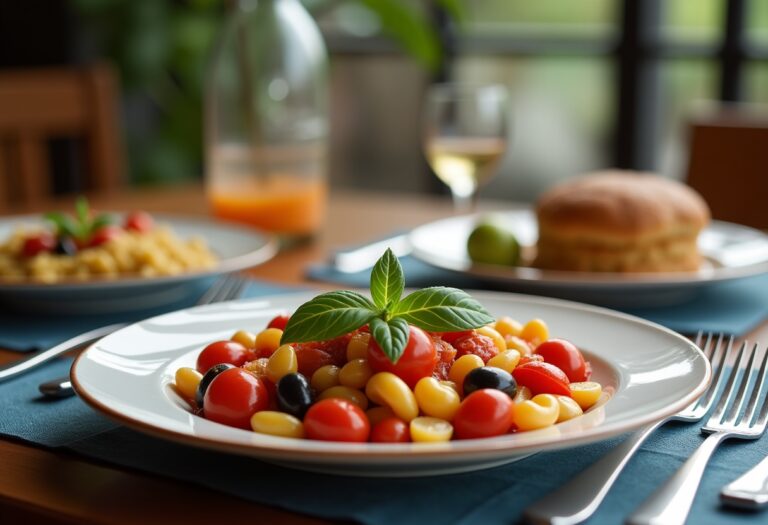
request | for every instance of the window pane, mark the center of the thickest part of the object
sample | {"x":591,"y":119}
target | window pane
{"x":562,"y":110}
{"x":684,"y":84}
{"x":757,"y":21}
{"x":757,"y":82}
{"x":692,"y":20}
{"x":590,"y":17}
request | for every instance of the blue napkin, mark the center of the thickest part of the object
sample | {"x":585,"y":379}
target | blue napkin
{"x":26,"y":333}
{"x":733,"y":307}
{"x":493,"y":496}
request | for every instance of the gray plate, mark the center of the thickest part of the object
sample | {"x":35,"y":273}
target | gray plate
{"x":237,"y":248}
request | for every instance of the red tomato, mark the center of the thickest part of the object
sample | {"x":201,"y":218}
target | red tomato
{"x":233,"y":397}
{"x":41,"y":243}
{"x":336,"y":419}
{"x":311,"y":357}
{"x":280,"y":321}
{"x":391,"y":430}
{"x":230,"y":352}
{"x":418,"y":360}
{"x":542,"y":378}
{"x":565,"y":356}
{"x":451,"y":337}
{"x":104,"y":234}
{"x":474,"y":343}
{"x":445,"y":356}
{"x":483,"y":413}
{"x":139,"y":221}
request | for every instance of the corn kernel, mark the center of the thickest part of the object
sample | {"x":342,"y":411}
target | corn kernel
{"x":430,"y":430}
{"x":435,"y":399}
{"x":495,"y":336}
{"x":535,"y":331}
{"x":357,"y":348}
{"x":569,"y":408}
{"x":461,"y":367}
{"x":277,"y":424}
{"x":281,"y":363}
{"x":506,"y":360}
{"x":541,"y":411}
{"x":187,"y":381}
{"x":385,"y":388}
{"x":355,"y":374}
{"x":324,"y":378}
{"x":344,"y":392}
{"x":267,"y":341}
{"x":245,"y":338}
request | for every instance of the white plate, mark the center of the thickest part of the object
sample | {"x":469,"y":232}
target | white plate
{"x":648,"y":372}
{"x":237,"y":248}
{"x":731,"y":252}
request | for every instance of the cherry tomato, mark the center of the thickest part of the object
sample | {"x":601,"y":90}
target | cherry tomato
{"x":233,"y":397}
{"x":104,"y":234}
{"x":41,"y":243}
{"x":542,"y":378}
{"x":391,"y":430}
{"x":280,"y":321}
{"x":483,"y":413}
{"x":230,"y":352}
{"x":565,"y":356}
{"x":451,"y":337}
{"x":139,"y":221}
{"x":474,"y":343}
{"x":310,"y":357}
{"x":336,"y":419}
{"x":445,"y":356}
{"x":418,"y":360}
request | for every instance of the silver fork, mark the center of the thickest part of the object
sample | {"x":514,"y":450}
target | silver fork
{"x":578,"y":499}
{"x":671,"y":502}
{"x":230,"y":286}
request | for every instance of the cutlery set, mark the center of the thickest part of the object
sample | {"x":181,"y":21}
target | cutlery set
{"x":738,"y":414}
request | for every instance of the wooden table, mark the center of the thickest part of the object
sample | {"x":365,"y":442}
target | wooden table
{"x":38,"y":485}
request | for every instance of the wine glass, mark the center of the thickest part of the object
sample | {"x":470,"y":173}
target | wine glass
{"x":465,"y":136}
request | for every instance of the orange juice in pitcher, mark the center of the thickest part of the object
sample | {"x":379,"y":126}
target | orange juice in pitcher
{"x":277,"y":189}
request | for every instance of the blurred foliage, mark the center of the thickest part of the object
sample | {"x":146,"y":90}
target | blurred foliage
{"x":161,"y":48}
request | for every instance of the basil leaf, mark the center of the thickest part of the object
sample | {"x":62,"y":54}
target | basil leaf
{"x":442,"y":309}
{"x":391,"y":336}
{"x":62,"y":223}
{"x":387,"y":280}
{"x":327,"y":316}
{"x":100,"y":221}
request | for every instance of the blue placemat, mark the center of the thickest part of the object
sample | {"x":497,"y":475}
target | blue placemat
{"x":489,"y":497}
{"x":734,"y":307}
{"x":25,"y":333}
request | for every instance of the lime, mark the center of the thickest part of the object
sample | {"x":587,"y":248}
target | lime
{"x":492,"y":244}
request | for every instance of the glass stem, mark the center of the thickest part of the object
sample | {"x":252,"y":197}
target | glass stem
{"x":463,"y":203}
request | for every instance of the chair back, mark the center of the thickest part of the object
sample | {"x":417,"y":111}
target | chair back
{"x":40,"y":104}
{"x":728,"y":164}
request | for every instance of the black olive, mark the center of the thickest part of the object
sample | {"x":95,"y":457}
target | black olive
{"x":490,"y":377}
{"x":294,"y":395}
{"x":65,"y":246}
{"x":209,"y":376}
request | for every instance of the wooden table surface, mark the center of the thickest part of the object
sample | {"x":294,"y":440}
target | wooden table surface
{"x":39,"y":485}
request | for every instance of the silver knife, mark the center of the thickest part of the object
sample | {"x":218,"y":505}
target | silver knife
{"x":364,"y":257}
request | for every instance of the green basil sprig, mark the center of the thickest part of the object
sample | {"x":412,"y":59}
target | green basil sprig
{"x":82,"y":225}
{"x":437,"y":309}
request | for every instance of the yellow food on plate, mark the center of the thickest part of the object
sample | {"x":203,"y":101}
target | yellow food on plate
{"x":86,"y":246}
{"x":620,"y":221}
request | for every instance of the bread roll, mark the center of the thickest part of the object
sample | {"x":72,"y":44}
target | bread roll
{"x":620,"y":221}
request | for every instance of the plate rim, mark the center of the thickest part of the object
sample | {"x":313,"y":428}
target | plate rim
{"x":477,"y":448}
{"x":544,"y":279}
{"x":267,"y":251}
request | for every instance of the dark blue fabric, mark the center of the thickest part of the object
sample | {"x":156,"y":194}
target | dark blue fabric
{"x":25,"y":333}
{"x":734,"y":307}
{"x":494,"y":496}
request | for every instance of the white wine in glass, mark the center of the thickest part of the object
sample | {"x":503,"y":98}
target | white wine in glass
{"x":466,"y":136}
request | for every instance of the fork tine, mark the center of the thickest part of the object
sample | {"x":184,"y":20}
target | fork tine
{"x":757,"y":392}
{"x":716,"y":352}
{"x":741,"y":396}
{"x":226,"y":287}
{"x":727,"y":394}
{"x":238,"y":289}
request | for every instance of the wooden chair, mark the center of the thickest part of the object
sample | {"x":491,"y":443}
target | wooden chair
{"x":728,"y":163}
{"x":40,"y":104}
